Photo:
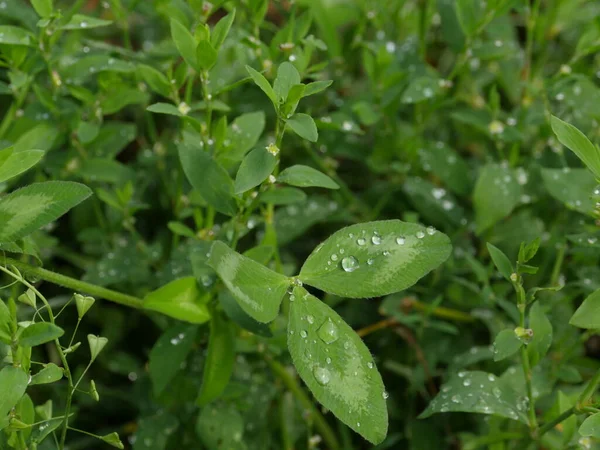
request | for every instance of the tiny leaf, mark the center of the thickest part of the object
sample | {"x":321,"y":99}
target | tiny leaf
{"x":588,"y":314}
{"x":304,"y":126}
{"x":506,"y":344}
{"x":576,"y":141}
{"x":180,"y":299}
{"x":254,"y":169}
{"x":305,"y":176}
{"x":501,"y":261}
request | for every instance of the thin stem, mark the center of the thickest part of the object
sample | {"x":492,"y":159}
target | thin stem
{"x":77,"y":285}
{"x":319,"y":421}
{"x":59,"y":349}
{"x":589,"y":391}
{"x":522,"y":305}
{"x":560,"y":418}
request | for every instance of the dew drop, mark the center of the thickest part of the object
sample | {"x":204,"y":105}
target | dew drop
{"x":496,"y":391}
{"x":310,"y":319}
{"x":385,"y":395}
{"x":370,"y":261}
{"x":455,"y":399}
{"x":370,"y":365}
{"x":350,"y":264}
{"x":328,"y":360}
{"x":303,"y":333}
{"x":292,"y":297}
{"x":328,"y":332}
{"x":322,"y":375}
{"x":376,"y":240}
{"x":358,"y":424}
{"x":491,"y":377}
{"x":467,"y":383}
{"x":334,"y":257}
{"x":420,"y":235}
{"x":430,"y":231}
{"x":361,"y":241}
{"x":400,"y":240}
{"x":346,"y":345}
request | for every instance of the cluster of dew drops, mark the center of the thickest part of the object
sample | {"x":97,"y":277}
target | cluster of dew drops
{"x":350,"y":263}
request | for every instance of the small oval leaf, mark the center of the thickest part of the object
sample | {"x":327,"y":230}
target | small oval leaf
{"x":180,"y":299}
{"x":39,"y":333}
{"x":305,"y":176}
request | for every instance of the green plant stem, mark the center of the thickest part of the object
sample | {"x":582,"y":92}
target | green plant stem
{"x":531,"y":23}
{"x":14,"y":107}
{"x":560,"y":418}
{"x":59,"y":349}
{"x":76,"y":285}
{"x":522,"y":305}
{"x":589,"y":391}
{"x":319,"y":421}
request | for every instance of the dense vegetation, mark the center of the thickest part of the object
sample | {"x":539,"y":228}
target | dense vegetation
{"x":253,"y":224}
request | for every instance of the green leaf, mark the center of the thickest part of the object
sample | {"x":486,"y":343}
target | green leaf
{"x":501,"y":261}
{"x":573,"y":187}
{"x":283,"y":196}
{"x":221,"y":30}
{"x":157,"y":81}
{"x":378,"y":258}
{"x":305,"y":176}
{"x":221,"y":426}
{"x":258,"y":290}
{"x":588,"y":314}
{"x":180,"y":299}
{"x":43,"y":430}
{"x":30,"y":208}
{"x":235,"y":312}
{"x":40,"y":137}
{"x":208,"y":177}
{"x":13,"y":383}
{"x":42,"y":7}
{"x":16,"y":163}
{"x":165,"y":108}
{"x":255,"y":168}
{"x":83,"y":304}
{"x":506,"y":344}
{"x":242,"y":135}
{"x":542,"y":334}
{"x":181,"y":229}
{"x":82,"y":22}
{"x":578,"y":143}
{"x":260,"y":80}
{"x":315,"y":87}
{"x":287,"y":76}
{"x":5,"y":324}
{"x":39,"y":333}
{"x":185,"y":43}
{"x":12,"y":35}
{"x":477,"y":392}
{"x":336,"y":366}
{"x":421,"y":89}
{"x":591,"y":426}
{"x":113,"y":440}
{"x":106,"y":170}
{"x":169,"y":352}
{"x":218,"y":366}
{"x":49,"y":374}
{"x":469,"y":13}
{"x":206,"y":55}
{"x":304,"y":126}
{"x":496,"y":194}
{"x":96,"y":344}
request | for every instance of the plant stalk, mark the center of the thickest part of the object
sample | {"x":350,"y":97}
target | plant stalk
{"x":76,"y":285}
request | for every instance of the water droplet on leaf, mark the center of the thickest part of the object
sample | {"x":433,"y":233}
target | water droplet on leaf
{"x":322,"y":375}
{"x":328,"y":332}
{"x":350,"y":264}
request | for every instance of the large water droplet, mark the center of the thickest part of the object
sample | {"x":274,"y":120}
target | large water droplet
{"x":376,"y":239}
{"x":370,"y":365}
{"x":310,"y":319}
{"x":400,"y":240}
{"x":350,"y":264}
{"x":303,"y":333}
{"x":497,"y":392}
{"x":430,"y":231}
{"x":455,"y":399}
{"x":370,"y":261}
{"x":322,"y":375}
{"x":328,"y":332}
{"x":328,"y":360}
{"x":361,"y":241}
{"x":420,"y":234}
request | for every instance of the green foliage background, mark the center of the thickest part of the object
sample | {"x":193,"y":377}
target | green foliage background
{"x":269,"y":126}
